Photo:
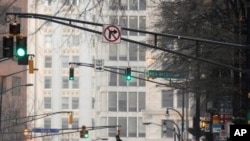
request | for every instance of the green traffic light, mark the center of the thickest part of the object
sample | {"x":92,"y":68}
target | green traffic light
{"x":128,"y":77}
{"x":21,"y":52}
{"x":86,"y":134}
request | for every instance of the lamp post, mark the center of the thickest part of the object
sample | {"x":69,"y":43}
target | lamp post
{"x":173,"y":129}
{"x":182,"y":119}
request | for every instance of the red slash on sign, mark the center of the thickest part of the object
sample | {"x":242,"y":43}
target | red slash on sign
{"x":111,"y":34}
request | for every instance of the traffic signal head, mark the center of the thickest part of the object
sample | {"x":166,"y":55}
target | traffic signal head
{"x":71,"y":118}
{"x":84,"y":133}
{"x":128,"y":74}
{"x":71,"y":73}
{"x":203,"y":124}
{"x":8,"y":45}
{"x":21,"y":47}
{"x":14,"y":28}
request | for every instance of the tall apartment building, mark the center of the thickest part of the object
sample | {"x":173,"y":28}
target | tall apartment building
{"x":96,"y":98}
{"x":13,"y":78}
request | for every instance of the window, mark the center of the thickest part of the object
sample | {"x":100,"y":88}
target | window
{"x":112,"y":131}
{"x":75,"y":83}
{"x":167,"y":98}
{"x":66,"y":40}
{"x":142,"y":53}
{"x":48,"y":40}
{"x":132,"y":99}
{"x":47,"y":102}
{"x":65,"y":123}
{"x":16,"y":81}
{"x":142,"y":4}
{"x":75,"y":40}
{"x":113,"y":78}
{"x":75,"y":2}
{"x":122,"y":80}
{"x":75,"y":102}
{"x":123,"y":122}
{"x":124,"y":23}
{"x":47,"y":2}
{"x":133,"y":81}
{"x":75,"y":123}
{"x":133,"y":23}
{"x":122,"y":101}
{"x":47,"y":123}
{"x":48,"y":62}
{"x":132,"y":127}
{"x":180,"y":99}
{"x":141,"y":128}
{"x":169,"y":131}
{"x":65,"y":61}
{"x":133,"y":52}
{"x":142,"y":83}
{"x":142,"y":24}
{"x":65,"y":103}
{"x":133,"y":4}
{"x":65,"y":82}
{"x":112,"y":97}
{"x":123,"y":51}
{"x":113,"y":20}
{"x":142,"y":101}
{"x":113,"y":52}
{"x":47,"y":82}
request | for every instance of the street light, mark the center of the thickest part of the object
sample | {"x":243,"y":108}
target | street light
{"x":173,"y":129}
{"x":26,"y":85}
{"x":182,"y":119}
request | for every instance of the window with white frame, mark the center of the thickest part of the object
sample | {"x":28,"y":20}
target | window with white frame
{"x":180,"y":99}
{"x":65,"y":82}
{"x":112,"y":131}
{"x":48,"y":61}
{"x":75,"y":83}
{"x":47,"y":82}
{"x":65,"y":103}
{"x":142,"y":24}
{"x":133,"y":4}
{"x":167,"y":98}
{"x":133,"y":23}
{"x":122,"y":101}
{"x":141,"y":128}
{"x":75,"y":123}
{"x":65,"y":61}
{"x":132,"y":126}
{"x":75,"y":103}
{"x":66,"y":40}
{"x":65,"y":123}
{"x":126,"y":101}
{"x":47,"y":102}
{"x":113,"y":77}
{"x":75,"y":40}
{"x":142,"y":4}
{"x":47,"y":123}
{"x":112,"y":97}
{"x":48,"y":40}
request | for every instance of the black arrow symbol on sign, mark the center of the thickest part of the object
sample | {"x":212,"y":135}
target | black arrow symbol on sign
{"x":112,"y":32}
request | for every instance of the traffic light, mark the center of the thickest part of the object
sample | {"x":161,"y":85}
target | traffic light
{"x":14,"y":28}
{"x":8,"y":45}
{"x":203,"y":124}
{"x":71,"y":118}
{"x":128,"y":74}
{"x":21,"y":50}
{"x":21,"y":47}
{"x":84,"y":133}
{"x":71,"y":73}
{"x":31,"y":66}
{"x":118,"y":135}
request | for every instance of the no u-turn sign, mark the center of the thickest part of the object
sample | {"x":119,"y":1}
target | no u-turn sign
{"x":111,"y":34}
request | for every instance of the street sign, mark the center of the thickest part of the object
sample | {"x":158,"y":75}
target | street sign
{"x":216,"y":128}
{"x":99,"y":64}
{"x":111,"y":34}
{"x":45,"y":130}
{"x":161,"y":74}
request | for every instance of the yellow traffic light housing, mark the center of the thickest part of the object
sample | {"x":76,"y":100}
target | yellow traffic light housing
{"x":71,"y":118}
{"x":203,"y":124}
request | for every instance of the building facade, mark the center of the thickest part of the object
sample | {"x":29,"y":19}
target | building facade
{"x":96,"y":98}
